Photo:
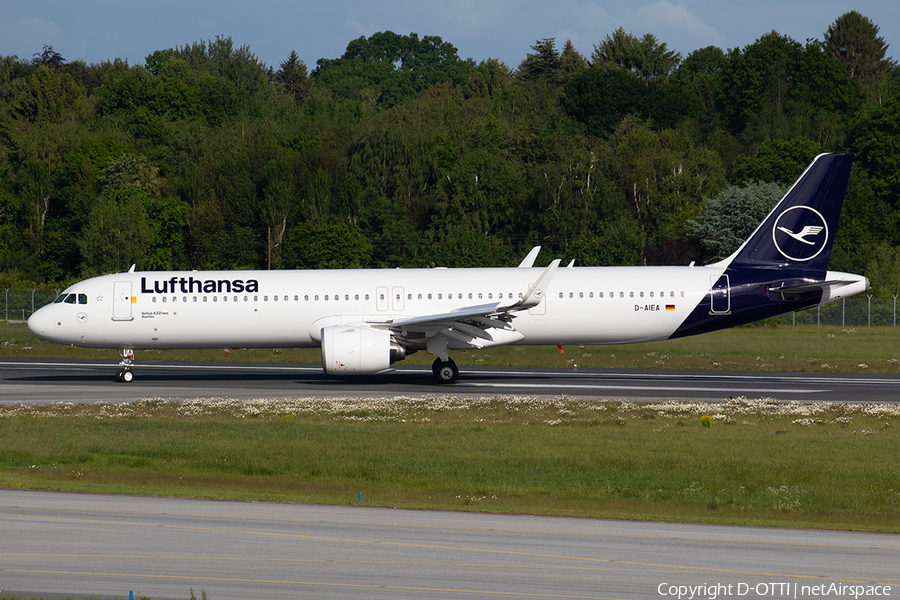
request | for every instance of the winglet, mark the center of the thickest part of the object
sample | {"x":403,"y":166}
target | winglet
{"x":528,"y":261}
{"x":534,"y":295}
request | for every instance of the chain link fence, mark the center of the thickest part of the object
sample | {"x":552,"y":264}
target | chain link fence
{"x":858,"y":311}
{"x":18,"y":304}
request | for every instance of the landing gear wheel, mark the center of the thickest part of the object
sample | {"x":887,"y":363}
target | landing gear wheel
{"x":124,"y":375}
{"x":445,"y":371}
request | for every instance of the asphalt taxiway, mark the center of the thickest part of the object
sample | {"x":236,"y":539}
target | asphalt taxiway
{"x":102,"y":546}
{"x":39,"y":381}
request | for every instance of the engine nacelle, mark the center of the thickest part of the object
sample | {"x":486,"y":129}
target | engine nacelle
{"x":351,"y":350}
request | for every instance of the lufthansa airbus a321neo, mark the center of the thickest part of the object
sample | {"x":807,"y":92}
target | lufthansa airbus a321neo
{"x":365,"y":320}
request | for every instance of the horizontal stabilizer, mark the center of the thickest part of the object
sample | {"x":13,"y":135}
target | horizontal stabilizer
{"x":832,"y":288}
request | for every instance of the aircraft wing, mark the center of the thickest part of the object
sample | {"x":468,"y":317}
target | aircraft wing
{"x":473,"y":326}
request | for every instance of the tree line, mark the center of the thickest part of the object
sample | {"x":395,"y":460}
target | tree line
{"x":400,"y":154}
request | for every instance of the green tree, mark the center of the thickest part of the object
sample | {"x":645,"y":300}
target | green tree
{"x":777,"y":88}
{"x":294,"y":77}
{"x":666,"y":178}
{"x":853,"y":39}
{"x":48,"y":95}
{"x":729,"y":218}
{"x":545,"y":64}
{"x":780,"y":161}
{"x":875,"y":137}
{"x":392,"y":67}
{"x":117,"y":233}
{"x":646,"y":57}
{"x":325,"y":246}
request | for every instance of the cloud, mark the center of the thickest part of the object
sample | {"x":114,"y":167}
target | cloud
{"x":678,"y":19}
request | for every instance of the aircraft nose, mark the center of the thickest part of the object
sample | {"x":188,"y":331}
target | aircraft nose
{"x":41,"y":323}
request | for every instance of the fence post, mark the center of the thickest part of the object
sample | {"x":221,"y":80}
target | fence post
{"x":895,"y":310}
{"x":869,"y":296}
{"x":6,"y":305}
{"x":844,"y":312}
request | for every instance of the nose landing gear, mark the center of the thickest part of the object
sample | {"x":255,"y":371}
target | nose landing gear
{"x":124,"y":374}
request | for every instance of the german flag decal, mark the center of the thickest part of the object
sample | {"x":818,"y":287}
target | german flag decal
{"x":670,"y":307}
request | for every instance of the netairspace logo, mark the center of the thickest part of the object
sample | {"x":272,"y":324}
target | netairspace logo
{"x":796,"y":591}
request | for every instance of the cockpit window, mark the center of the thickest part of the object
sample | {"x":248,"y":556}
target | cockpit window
{"x":71,"y":299}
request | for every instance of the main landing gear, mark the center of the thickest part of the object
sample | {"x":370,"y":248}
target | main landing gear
{"x":124,"y":373}
{"x":445,"y":371}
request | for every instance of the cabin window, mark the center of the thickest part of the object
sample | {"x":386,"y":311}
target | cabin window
{"x":591,"y":294}
{"x":429,"y":296}
{"x":490,"y":295}
{"x":621,"y":294}
{"x":224,"y":298}
{"x":642,"y":294}
{"x":266,"y":298}
{"x":581,"y":294}
{"x":82,"y":298}
{"x":215,"y":298}
{"x":153,"y":300}
{"x":682,"y":294}
{"x":440,"y":297}
{"x":420,"y":297}
{"x":470,"y":295}
{"x":71,"y":299}
{"x":561,"y":295}
{"x":356,"y":297}
{"x":367,"y":296}
{"x":195,"y":298}
{"x":256,"y":298}
{"x":599,"y":294}
{"x":326,"y":298}
{"x":571,"y":295}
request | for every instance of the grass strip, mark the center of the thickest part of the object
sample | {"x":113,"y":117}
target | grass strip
{"x":748,"y":462}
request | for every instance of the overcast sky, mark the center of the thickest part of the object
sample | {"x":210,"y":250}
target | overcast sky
{"x":99,"y":30}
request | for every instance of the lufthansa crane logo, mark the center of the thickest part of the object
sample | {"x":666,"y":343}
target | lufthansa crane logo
{"x":800,"y":233}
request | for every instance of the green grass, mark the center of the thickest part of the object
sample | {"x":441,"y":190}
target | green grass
{"x":759,"y":462}
{"x":802,"y":348}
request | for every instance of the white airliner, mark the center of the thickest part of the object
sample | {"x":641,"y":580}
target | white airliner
{"x":365,"y":320}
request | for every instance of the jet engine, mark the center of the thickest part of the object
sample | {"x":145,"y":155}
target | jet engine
{"x":352,"y":350}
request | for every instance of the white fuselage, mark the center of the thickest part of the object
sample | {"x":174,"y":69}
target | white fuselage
{"x":587,"y":305}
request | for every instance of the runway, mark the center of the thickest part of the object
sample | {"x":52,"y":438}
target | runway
{"x":103,"y":546}
{"x":40,"y":381}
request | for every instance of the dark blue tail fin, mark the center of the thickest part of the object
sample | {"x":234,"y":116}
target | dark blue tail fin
{"x":800,"y":230}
